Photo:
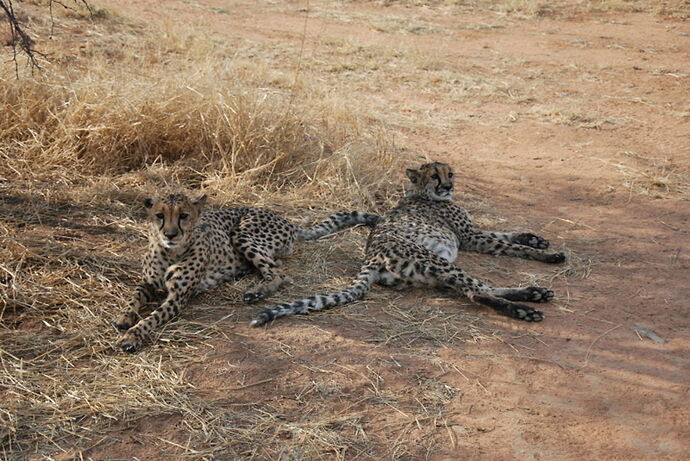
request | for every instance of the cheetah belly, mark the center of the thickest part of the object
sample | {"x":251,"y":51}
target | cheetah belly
{"x":444,"y":246}
{"x":438,"y":240}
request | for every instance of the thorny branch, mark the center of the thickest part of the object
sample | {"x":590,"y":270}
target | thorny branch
{"x":18,"y":37}
{"x":20,"y":41}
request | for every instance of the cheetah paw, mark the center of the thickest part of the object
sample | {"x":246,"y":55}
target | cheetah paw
{"x":124,"y":322}
{"x":555,"y":258}
{"x":129,"y":343}
{"x":539,"y":294}
{"x":528,"y":314}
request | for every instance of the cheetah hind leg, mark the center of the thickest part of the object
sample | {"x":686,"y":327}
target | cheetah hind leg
{"x":530,"y":240}
{"x":502,"y":300}
{"x":508,"y":308}
{"x":267,"y":287}
{"x":262,"y":253}
{"x":273,"y":277}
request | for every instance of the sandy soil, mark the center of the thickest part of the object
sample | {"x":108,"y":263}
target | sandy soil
{"x":576,"y":126}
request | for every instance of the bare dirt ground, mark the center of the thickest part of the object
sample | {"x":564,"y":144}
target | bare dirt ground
{"x":572,"y":124}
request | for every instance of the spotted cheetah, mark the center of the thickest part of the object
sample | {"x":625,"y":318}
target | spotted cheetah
{"x":192,"y":251}
{"x":416,"y":243}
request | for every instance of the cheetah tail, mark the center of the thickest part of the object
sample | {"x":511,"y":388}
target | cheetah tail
{"x":336,"y":222}
{"x":369,"y":275}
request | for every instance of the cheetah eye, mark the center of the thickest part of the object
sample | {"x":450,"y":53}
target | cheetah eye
{"x":450,"y":175}
{"x":160,"y":215}
{"x":435,"y":176}
{"x":184,"y":215}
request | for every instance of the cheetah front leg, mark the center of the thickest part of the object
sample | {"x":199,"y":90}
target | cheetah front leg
{"x":181,"y":281}
{"x":143,"y":294}
{"x":485,"y":242}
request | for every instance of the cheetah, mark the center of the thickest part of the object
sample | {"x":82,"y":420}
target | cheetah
{"x":416,"y":243}
{"x":192,"y":251}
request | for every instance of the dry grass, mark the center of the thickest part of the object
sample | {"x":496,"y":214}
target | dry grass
{"x":209,"y":117}
{"x":652,"y":176}
{"x":424,"y":323}
{"x":574,"y":117}
{"x":655,"y":177}
{"x":561,"y":8}
{"x":387,"y":23}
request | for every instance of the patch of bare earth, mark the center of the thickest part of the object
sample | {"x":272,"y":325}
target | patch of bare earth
{"x":573,"y":124}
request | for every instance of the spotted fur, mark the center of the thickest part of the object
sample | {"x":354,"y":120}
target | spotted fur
{"x":416,"y":243}
{"x":191,"y":251}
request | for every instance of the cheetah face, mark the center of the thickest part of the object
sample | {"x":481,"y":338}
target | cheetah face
{"x":434,"y":180}
{"x":173,"y":218}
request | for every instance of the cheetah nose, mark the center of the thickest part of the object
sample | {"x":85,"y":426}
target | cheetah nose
{"x":170,"y":235}
{"x":447,"y":186}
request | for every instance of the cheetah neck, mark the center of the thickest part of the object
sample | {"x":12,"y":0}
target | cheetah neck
{"x":425,"y":196}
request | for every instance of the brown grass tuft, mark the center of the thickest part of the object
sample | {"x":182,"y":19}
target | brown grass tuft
{"x":652,"y":176}
{"x":174,"y":98}
{"x":656,"y":177}
{"x":574,"y":117}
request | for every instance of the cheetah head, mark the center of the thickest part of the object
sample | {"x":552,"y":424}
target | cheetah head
{"x":433,"y":180}
{"x":173,"y":218}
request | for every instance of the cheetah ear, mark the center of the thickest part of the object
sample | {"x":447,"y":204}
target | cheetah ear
{"x":148,"y":203}
{"x":413,"y":175}
{"x":200,"y":200}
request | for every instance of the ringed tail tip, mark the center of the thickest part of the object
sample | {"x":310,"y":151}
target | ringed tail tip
{"x":261,"y":319}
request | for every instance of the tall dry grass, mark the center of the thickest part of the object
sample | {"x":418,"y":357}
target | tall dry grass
{"x":131,"y":99}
